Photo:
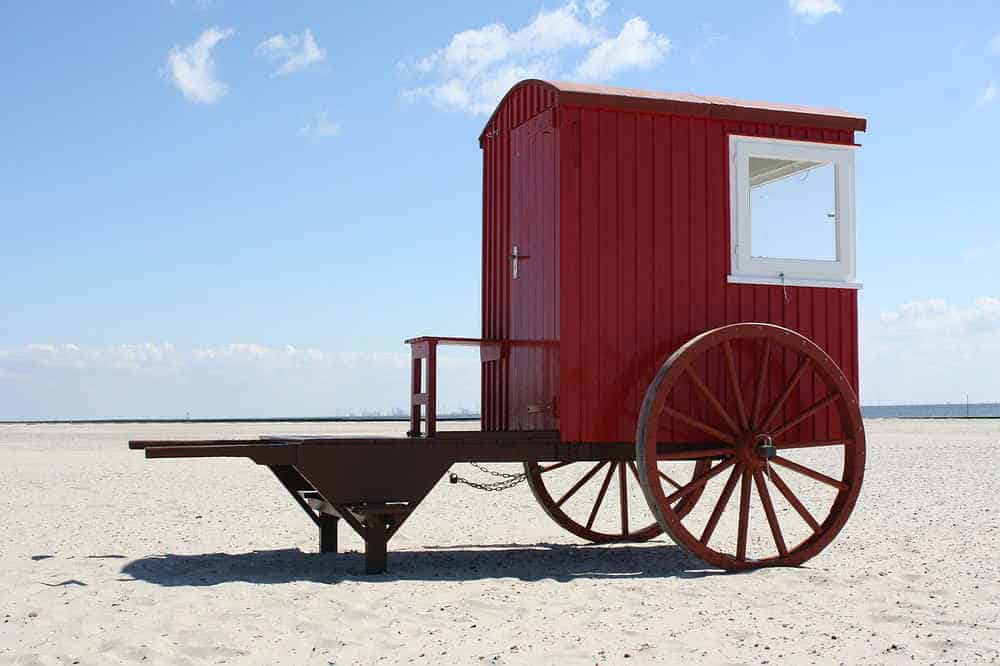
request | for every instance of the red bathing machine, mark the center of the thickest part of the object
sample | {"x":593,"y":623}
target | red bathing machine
{"x":669,"y":315}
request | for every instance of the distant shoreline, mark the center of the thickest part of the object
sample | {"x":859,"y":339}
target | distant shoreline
{"x":937,"y":418}
{"x":400,"y":419}
{"x":306,"y":419}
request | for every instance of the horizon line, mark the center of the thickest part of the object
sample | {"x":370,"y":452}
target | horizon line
{"x":463,"y":416}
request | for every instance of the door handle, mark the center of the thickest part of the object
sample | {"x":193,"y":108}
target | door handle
{"x":515,"y":255}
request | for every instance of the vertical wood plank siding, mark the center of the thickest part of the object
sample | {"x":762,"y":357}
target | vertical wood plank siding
{"x":644,"y":236}
{"x":533,"y":368}
{"x":639,"y":261}
{"x":517,"y":108}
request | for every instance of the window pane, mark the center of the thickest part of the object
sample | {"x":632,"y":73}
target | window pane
{"x":792,"y":210}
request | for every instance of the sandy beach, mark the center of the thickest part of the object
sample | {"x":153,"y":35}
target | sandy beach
{"x":111,"y":558}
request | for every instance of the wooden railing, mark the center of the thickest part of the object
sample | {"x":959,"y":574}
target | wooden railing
{"x":423,"y":351}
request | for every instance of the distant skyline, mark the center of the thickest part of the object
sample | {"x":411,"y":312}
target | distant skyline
{"x":241,"y":211}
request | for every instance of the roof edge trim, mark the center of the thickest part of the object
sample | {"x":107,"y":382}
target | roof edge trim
{"x":686,"y":104}
{"x":520,"y":84}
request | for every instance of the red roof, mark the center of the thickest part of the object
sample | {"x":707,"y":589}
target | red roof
{"x":581,"y":94}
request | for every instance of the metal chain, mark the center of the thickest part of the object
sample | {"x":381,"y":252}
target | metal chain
{"x":508,"y":480}
{"x":502,"y":475}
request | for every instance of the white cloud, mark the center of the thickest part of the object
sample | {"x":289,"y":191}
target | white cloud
{"x":987,"y":96}
{"x":995,"y":44}
{"x":932,"y":351}
{"x":320,"y":125}
{"x":553,"y":31}
{"x":636,"y":46}
{"x":916,"y":311}
{"x":477,"y":66}
{"x":240,"y":379}
{"x":814,"y":10}
{"x":295,"y":52}
{"x":471,"y":51}
{"x":596,"y":8}
{"x":192,"y":68}
{"x":935,"y":317}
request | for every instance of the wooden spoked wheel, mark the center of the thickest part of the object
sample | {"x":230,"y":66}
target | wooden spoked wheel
{"x":602,"y":501}
{"x":780,"y":424}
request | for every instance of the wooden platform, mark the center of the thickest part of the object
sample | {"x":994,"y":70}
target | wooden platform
{"x":375,"y":483}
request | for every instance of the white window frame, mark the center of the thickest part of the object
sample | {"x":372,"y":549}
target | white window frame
{"x":746,"y":268}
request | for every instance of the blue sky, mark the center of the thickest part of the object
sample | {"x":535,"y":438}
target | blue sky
{"x":241,"y":210}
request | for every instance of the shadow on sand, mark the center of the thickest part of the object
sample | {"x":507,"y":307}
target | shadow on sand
{"x":528,"y":562}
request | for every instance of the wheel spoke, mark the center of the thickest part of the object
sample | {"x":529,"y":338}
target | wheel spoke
{"x":811,"y":473}
{"x":792,"y":383}
{"x":635,"y":472}
{"x":669,"y":480}
{"x":720,"y":506}
{"x":759,"y":391}
{"x":741,"y":537}
{"x":549,"y":468}
{"x":813,"y":444}
{"x":697,"y":483}
{"x":579,"y":484}
{"x":693,"y":454}
{"x":734,"y":382}
{"x":712,"y":400}
{"x":623,"y":498}
{"x":600,"y":495}
{"x":806,"y":414}
{"x":704,"y":427}
{"x":772,"y":518}
{"x":794,"y":501}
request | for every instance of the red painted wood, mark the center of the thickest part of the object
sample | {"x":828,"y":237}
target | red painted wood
{"x":523,"y":103}
{"x":569,"y":256}
{"x":524,"y":99}
{"x":638,"y":252}
{"x":605,"y":346}
{"x":679,"y":256}
{"x":626,"y":382}
{"x":662,"y":229}
{"x":519,"y":298}
{"x":645,"y":303}
{"x":697,"y":161}
{"x":533,"y":368}
{"x":588,"y":278}
{"x":716,"y":234}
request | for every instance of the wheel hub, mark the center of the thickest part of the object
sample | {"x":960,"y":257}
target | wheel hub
{"x":766,"y":448}
{"x":755,"y":449}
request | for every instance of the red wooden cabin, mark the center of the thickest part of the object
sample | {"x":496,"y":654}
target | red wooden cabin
{"x":621,"y":199}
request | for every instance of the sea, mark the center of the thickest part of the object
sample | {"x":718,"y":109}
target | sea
{"x":951,"y":410}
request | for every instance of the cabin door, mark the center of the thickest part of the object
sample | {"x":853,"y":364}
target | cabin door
{"x":533,"y":379}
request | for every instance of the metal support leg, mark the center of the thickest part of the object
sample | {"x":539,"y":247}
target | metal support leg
{"x":328,"y":533}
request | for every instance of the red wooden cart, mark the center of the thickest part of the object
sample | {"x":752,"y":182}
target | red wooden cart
{"x":669,"y":315}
